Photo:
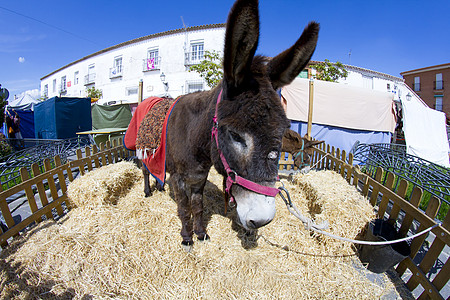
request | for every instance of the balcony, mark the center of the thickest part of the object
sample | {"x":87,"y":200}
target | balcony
{"x":438,"y":85}
{"x":89,"y":79}
{"x":193,"y":58}
{"x":150,"y":64}
{"x":115,"y":72}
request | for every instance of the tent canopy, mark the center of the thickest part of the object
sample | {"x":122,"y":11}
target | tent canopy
{"x":114,"y":116}
{"x":342,"y":114}
{"x":62,"y":118}
{"x":341,"y":105}
{"x":26,"y":102}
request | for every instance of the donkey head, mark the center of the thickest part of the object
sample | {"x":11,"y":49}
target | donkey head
{"x":251,"y":120}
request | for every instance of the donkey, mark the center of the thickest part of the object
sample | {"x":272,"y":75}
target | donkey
{"x":236,"y":127}
{"x":292,"y":142}
{"x":300,"y":147}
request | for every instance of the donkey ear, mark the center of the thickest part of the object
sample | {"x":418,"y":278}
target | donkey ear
{"x":241,"y":40}
{"x":292,"y":135}
{"x":287,"y":65}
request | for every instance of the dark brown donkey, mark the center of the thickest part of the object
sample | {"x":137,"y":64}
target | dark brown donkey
{"x":300,"y":147}
{"x":250,"y":125}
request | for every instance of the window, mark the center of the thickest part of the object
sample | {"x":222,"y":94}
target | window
{"x":439,"y":105}
{"x":303,"y":74}
{"x":45,"y":91}
{"x":416,"y":86}
{"x":131,"y":91}
{"x":388,"y":87}
{"x":152,"y":61}
{"x":116,"y":70}
{"x":439,"y":84}
{"x":76,"y":76}
{"x":194,"y":86}
{"x":367,"y":82}
{"x":90,"y":77}
{"x":54,"y":86}
{"x":195,"y":54}
{"x":63,"y":84}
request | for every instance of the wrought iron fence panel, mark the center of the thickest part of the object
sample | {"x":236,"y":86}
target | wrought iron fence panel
{"x":393,"y":158}
{"x":10,"y":165}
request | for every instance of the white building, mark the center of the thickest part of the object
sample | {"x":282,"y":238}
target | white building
{"x":117,"y":70}
{"x":370,"y":79}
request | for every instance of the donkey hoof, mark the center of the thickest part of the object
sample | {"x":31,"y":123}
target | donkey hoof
{"x":148,"y":194}
{"x":204,"y":238}
{"x":187,"y":245}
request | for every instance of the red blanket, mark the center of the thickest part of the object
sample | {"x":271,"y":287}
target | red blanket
{"x":153,"y":159}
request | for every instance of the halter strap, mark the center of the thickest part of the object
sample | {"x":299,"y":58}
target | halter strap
{"x":232,"y":176}
{"x":301,"y":154}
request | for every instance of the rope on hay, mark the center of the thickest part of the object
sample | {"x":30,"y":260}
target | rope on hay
{"x":310,"y":225}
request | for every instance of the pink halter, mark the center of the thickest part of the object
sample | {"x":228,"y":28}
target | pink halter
{"x":233,"y":177}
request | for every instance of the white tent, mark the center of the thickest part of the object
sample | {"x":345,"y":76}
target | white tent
{"x":425,"y":131}
{"x":23,"y":102}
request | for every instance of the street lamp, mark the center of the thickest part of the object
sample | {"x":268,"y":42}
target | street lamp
{"x":408,"y":97}
{"x":166,"y":84}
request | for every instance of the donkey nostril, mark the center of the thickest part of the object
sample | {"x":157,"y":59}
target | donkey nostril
{"x":252,"y":224}
{"x":256,"y":224}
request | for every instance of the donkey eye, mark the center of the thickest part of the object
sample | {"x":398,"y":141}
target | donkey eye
{"x":272,"y":155}
{"x":237,"y":138}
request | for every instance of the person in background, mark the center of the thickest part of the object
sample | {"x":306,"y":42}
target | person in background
{"x":16,"y":134}
{"x":9,"y":124}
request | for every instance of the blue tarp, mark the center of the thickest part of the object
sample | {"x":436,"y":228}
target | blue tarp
{"x":341,"y":138}
{"x":26,"y":123}
{"x":62,"y":118}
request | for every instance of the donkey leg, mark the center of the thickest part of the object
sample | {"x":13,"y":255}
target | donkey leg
{"x":146,"y":173}
{"x":159,"y":187}
{"x":184,"y":211}
{"x":197,"y":210}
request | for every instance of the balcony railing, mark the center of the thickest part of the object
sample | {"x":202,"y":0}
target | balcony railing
{"x":115,"y":72}
{"x":438,"y":85}
{"x":416,"y":87}
{"x":150,"y":64}
{"x":89,"y":79}
{"x":193,"y":58}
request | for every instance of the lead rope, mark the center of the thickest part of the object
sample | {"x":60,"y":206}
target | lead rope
{"x":310,"y":225}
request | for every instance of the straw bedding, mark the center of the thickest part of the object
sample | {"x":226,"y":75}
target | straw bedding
{"x":130,"y":248}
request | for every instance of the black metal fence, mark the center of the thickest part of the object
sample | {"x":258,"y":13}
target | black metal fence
{"x":36,"y":152}
{"x":429,"y":176}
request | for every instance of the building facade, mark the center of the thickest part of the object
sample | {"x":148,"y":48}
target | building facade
{"x":432,"y":84}
{"x":160,"y":61}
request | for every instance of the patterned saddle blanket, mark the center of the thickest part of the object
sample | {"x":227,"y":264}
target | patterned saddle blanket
{"x":150,"y":129}
{"x":146,"y":134}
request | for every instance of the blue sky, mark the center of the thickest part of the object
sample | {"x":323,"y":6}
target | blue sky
{"x":38,"y":37}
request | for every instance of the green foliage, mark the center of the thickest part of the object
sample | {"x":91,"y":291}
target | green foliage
{"x":2,"y":108}
{"x":210,"y":68}
{"x":92,"y":92}
{"x":328,"y":71}
{"x":5,"y":149}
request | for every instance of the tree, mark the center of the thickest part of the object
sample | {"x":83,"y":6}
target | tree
{"x":4,"y":94}
{"x":92,"y":92}
{"x":328,"y":71}
{"x":210,"y":68}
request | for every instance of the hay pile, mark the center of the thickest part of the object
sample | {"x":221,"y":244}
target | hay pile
{"x":104,"y":186}
{"x":132,"y":250}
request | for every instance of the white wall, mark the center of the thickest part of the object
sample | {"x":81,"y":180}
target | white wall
{"x":171,"y":50}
